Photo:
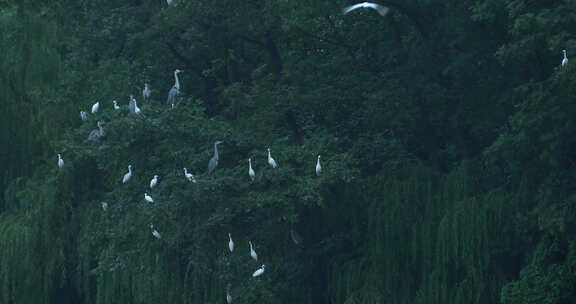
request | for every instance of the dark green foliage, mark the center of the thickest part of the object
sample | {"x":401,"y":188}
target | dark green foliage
{"x":445,"y":129}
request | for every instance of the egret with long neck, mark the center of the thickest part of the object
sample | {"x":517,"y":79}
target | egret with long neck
{"x":60,"y":162}
{"x":565,"y":60}
{"x":318,"y":167}
{"x":271,"y":161}
{"x":251,"y":172}
{"x":128,"y":175}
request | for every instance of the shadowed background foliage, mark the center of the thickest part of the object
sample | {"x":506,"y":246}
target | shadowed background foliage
{"x":445,"y":129}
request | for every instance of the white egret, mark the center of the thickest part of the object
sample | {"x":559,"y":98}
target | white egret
{"x":253,"y":253}
{"x":148,"y":198}
{"x":131,"y":104}
{"x":60,"y":162}
{"x":137,"y":110}
{"x":146,"y":92}
{"x":565,"y":60}
{"x":104,"y":206}
{"x":228,"y":296}
{"x":230,"y":243}
{"x":83,"y":116}
{"x":382,"y":10}
{"x":259,"y":271}
{"x":213,"y":163}
{"x":128,"y":175}
{"x":155,"y":232}
{"x":318,"y":167}
{"x":96,"y":134}
{"x":154,"y":181}
{"x":95,"y":107}
{"x":271,"y":161}
{"x":116,"y":106}
{"x":175,"y":90}
{"x":251,"y":172}
{"x":189,"y":176}
{"x":169,"y":2}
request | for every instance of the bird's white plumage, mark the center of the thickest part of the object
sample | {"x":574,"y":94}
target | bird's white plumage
{"x":104,"y":206}
{"x":83,"y":115}
{"x":565,"y":60}
{"x":116,"y":106}
{"x":155,"y":232}
{"x":382,"y":10}
{"x":154,"y":181}
{"x":230,"y":243}
{"x":60,"y":162}
{"x":189,"y":176}
{"x":318,"y":167}
{"x":228,"y":296}
{"x":259,"y":271}
{"x":148,"y":198}
{"x":251,"y":172}
{"x":95,"y":107}
{"x":271,"y":161}
{"x":146,"y":92}
{"x":136,"y":108}
{"x":128,"y":175}
{"x":253,"y":253}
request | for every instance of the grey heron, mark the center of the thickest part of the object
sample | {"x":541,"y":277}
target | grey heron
{"x":97,"y":134}
{"x":146,"y":92}
{"x":174,"y":92}
{"x":213,"y":163}
{"x":382,"y":10}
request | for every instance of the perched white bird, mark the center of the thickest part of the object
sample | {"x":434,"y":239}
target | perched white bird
{"x":253,"y":253}
{"x":83,"y":116}
{"x":95,"y":107}
{"x":60,"y":162}
{"x":230,"y":243}
{"x":136,"y":108}
{"x":146,"y":92}
{"x":104,"y":206}
{"x":189,"y":176}
{"x":155,"y":232}
{"x":250,"y":170}
{"x":228,"y":296}
{"x":128,"y":175}
{"x":116,"y":106}
{"x":565,"y":60}
{"x":382,"y":10}
{"x":154,"y":181}
{"x":318,"y":167}
{"x":259,"y":271}
{"x":148,"y":198}
{"x":170,"y":2}
{"x":271,"y":161}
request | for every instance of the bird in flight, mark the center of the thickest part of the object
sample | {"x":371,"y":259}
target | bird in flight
{"x":382,"y":10}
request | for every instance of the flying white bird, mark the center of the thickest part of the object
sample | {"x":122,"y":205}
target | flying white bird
{"x":154,"y":181}
{"x":565,"y":60}
{"x":104,"y":206}
{"x":253,"y":253}
{"x":155,"y":232}
{"x":259,"y":271}
{"x":146,"y":92}
{"x":116,"y":106}
{"x":83,"y":116}
{"x":318,"y":167}
{"x":128,"y":175}
{"x":148,"y":198}
{"x":271,"y":161}
{"x":382,"y":10}
{"x":228,"y":296}
{"x":60,"y":162}
{"x":189,"y":176}
{"x":95,"y":107}
{"x":230,"y":243}
{"x":250,"y":170}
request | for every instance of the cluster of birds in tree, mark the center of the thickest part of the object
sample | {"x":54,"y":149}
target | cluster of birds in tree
{"x":173,"y":99}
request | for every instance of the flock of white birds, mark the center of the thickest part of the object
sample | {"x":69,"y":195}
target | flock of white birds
{"x":174,"y":92}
